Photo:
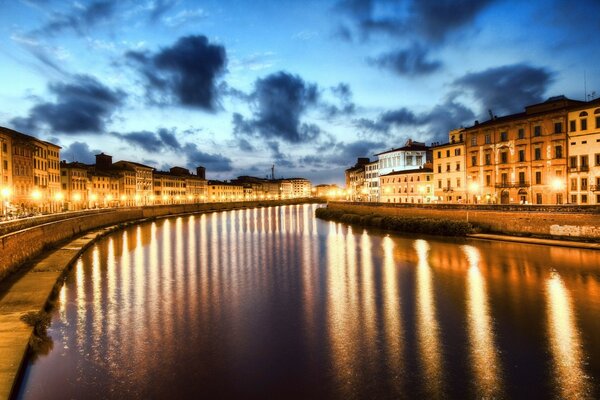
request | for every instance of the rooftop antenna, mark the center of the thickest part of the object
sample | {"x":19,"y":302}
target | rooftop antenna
{"x":491,"y":113}
{"x":273,"y":172}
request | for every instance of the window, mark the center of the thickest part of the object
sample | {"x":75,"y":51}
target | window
{"x":584,"y":184}
{"x":573,"y":162}
{"x":522,"y":177}
{"x":574,"y":198}
{"x":521,"y":133}
{"x":504,"y":157}
{"x":584,"y":199}
{"x":574,"y":185}
{"x":474,"y":160}
{"x":488,"y":138}
{"x":538,"y":177}
{"x":457,"y":152}
{"x":447,"y":153}
{"x":538,"y":198}
{"x":439,"y":154}
{"x":537,"y":130}
{"x":487,"y":159}
{"x":584,"y":162}
{"x":597,"y":156}
{"x":4,"y":148}
{"x":458,"y":182}
{"x":504,"y":178}
{"x":473,"y":140}
{"x":521,"y":155}
{"x":572,"y":126}
{"x":558,"y":152}
{"x":5,"y":164}
{"x":439,"y":183}
{"x":439,"y":169}
{"x":458,"y":165}
{"x":537,"y":153}
{"x":503,"y":136}
{"x":597,"y":122}
{"x":488,"y":180}
{"x":558,"y":127}
{"x":583,"y":123}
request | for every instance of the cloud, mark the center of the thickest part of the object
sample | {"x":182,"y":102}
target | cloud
{"x":183,"y":17}
{"x":82,"y":105}
{"x":432,"y":20}
{"x":279,"y":101}
{"x":152,"y":142}
{"x":158,"y":8}
{"x":434,"y":124}
{"x":280,"y":159}
{"x":506,"y":89}
{"x":79,"y":151}
{"x":184,"y":74}
{"x":79,"y":19}
{"x":212,"y":162}
{"x":343,"y":153}
{"x":412,"y":61}
{"x":343,"y":94}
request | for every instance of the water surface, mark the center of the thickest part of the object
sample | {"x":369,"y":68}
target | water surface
{"x":273,"y":303}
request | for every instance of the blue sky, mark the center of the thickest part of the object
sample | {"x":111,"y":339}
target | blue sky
{"x":306,"y":85}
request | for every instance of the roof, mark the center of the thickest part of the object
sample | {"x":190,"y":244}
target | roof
{"x":410,"y":171}
{"x":410,"y":147}
{"x":437,"y":146}
{"x":20,"y":135}
{"x":74,"y":164}
{"x":135,"y":164}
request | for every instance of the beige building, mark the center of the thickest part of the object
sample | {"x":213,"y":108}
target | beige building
{"x":143,"y":181}
{"x":372,"y":181}
{"x":103,"y":189}
{"x":408,"y":186}
{"x":301,"y":187}
{"x":450,"y":172}
{"x":169,"y":188}
{"x":584,"y":154}
{"x":6,"y":184}
{"x":74,"y":185}
{"x":218,"y":191}
{"x":356,"y":189}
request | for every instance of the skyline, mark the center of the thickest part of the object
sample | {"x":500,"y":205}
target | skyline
{"x":238,"y":86}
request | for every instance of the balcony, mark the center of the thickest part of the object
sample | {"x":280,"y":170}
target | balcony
{"x":595,"y":188}
{"x":509,"y":185}
{"x":582,"y":168}
{"x":448,"y":189}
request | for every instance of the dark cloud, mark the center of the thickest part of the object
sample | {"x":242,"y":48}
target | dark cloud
{"x":80,"y":18}
{"x":185,"y":73}
{"x":412,"y":61}
{"x":212,"y":162}
{"x":342,"y":153}
{"x":506,"y":89}
{"x":152,"y":142}
{"x":79,"y":151}
{"x":435,"y":123}
{"x":279,"y":101}
{"x":83,"y":105}
{"x":280,"y":159}
{"x":346,"y":106}
{"x":245,"y":145}
{"x":429,"y":19}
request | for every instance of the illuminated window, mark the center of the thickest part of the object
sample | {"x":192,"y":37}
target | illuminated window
{"x":473,"y":161}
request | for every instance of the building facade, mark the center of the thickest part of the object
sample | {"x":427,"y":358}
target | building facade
{"x":520,"y":158}
{"x":584,"y":154}
{"x":219,"y":191}
{"x":372,"y":181}
{"x":412,"y":155}
{"x":355,"y":180}
{"x":74,"y":185}
{"x":408,"y":186}
{"x":450,"y":170}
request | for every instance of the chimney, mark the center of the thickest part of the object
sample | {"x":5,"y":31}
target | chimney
{"x":201,"y":172}
{"x":103,"y":161}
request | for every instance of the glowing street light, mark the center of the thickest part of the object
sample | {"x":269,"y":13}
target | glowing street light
{"x":36,"y":195}
{"x":77,"y":197}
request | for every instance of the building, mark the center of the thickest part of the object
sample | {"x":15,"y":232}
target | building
{"x":168,"y":188}
{"x":103,"y":188}
{"x":412,"y":155}
{"x":584,"y":154}
{"x":195,"y":185}
{"x":329,"y":191}
{"x":6,"y":183}
{"x":143,"y":181}
{"x":218,"y":191}
{"x":355,"y":180}
{"x":74,"y":185}
{"x":520,"y":158}
{"x":408,"y":186}
{"x":450,"y":172}
{"x":372,"y":181}
{"x":301,"y":187}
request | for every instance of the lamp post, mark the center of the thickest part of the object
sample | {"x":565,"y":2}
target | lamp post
{"x":36,"y":195}
{"x":58,"y":197}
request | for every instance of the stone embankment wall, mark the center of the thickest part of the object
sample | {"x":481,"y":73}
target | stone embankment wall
{"x":19,"y":246}
{"x":560,"y":222}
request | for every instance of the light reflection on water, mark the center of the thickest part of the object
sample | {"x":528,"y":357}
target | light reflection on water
{"x":273,"y":303}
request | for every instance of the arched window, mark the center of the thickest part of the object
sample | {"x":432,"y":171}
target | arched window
{"x":583,"y":114}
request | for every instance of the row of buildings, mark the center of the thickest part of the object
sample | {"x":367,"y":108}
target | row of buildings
{"x":547,"y":154}
{"x":32,"y":178}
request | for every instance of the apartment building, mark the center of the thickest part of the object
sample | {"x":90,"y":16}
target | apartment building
{"x":584,"y":154}
{"x":520,"y":158}
{"x":450,"y":170}
{"x":408,"y":186}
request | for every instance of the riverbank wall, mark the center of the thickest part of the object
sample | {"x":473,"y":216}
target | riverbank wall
{"x":553,"y":222}
{"x":29,"y":239}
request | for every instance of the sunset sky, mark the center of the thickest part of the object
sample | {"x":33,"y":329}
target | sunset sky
{"x":237,"y":86}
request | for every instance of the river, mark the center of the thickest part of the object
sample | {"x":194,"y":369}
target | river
{"x":274,"y":303}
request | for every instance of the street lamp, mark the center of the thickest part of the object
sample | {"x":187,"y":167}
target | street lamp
{"x":473,"y":188}
{"x":5,"y":195}
{"x":558,"y":186}
{"x":58,"y":197}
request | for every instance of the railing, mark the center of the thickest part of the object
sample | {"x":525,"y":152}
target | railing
{"x":582,"y":168}
{"x":507,"y":185}
{"x":595,"y":188}
{"x":448,"y":189}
